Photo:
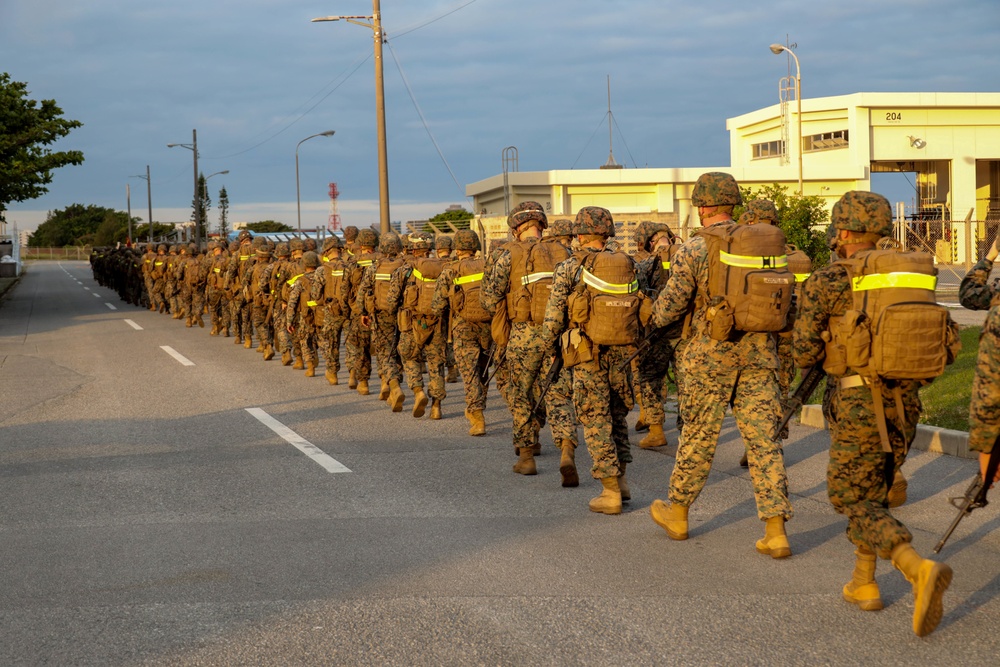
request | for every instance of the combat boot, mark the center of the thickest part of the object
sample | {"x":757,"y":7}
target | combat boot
{"x":536,"y":449}
{"x":930,"y":580}
{"x":260,"y":348}
{"x":775,"y":542}
{"x":654,"y":438}
{"x":567,"y":464}
{"x":352,"y":379}
{"x":248,"y":343}
{"x":610,"y":500}
{"x":299,"y":364}
{"x":419,"y":402}
{"x":640,"y":423}
{"x":225,"y":332}
{"x":331,"y":376}
{"x":238,"y":340}
{"x":477,"y":424}
{"x":862,"y":590}
{"x":897,"y":492}
{"x":452,"y":376}
{"x":363,"y":387}
{"x":622,"y":484}
{"x":310,"y":369}
{"x":201,"y":322}
{"x":745,"y":461}
{"x":396,"y":396}
{"x":383,"y":392}
{"x":436,"y":408}
{"x":286,"y":358}
{"x":525,"y":462}
{"x":268,"y":352}
{"x":187,"y":322}
{"x":214,"y":331}
{"x":672,"y":518}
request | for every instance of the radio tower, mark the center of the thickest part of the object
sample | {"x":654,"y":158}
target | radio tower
{"x":334,"y":222}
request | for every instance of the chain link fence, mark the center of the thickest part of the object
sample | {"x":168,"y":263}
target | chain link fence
{"x":72,"y":252}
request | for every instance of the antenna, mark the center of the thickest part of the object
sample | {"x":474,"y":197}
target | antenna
{"x":610,"y":164}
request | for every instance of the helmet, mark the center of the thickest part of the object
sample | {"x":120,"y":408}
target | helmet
{"x":561,"y":227}
{"x":466,"y":239}
{"x":183,"y":249}
{"x":243,"y":235}
{"x":860,"y":211}
{"x":421,"y":240}
{"x":594,"y":220}
{"x":390,"y":244}
{"x":192,"y":248}
{"x":296,"y":244}
{"x":161,"y":248}
{"x":264,"y":251}
{"x":310,"y":243}
{"x":760,"y":210}
{"x":310,"y":259}
{"x":281,"y":250}
{"x":647,"y":230}
{"x":526,"y":212}
{"x":443,"y":241}
{"x":367,"y":238}
{"x":350,"y":233}
{"x":259,"y":242}
{"x":332,"y":242}
{"x":405,"y":240}
{"x":716,"y":188}
{"x":234,"y":246}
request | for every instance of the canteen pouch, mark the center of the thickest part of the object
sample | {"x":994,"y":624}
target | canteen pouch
{"x":721,"y":321}
{"x":404,"y":320}
{"x":576,"y":348}
{"x":646,"y":311}
{"x":578,"y":307}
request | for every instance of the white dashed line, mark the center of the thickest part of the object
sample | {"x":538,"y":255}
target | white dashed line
{"x":85,"y":287}
{"x":291,"y":437}
{"x":177,"y":355}
{"x":133,"y":325}
{"x":96,"y":294}
{"x":110,"y":306}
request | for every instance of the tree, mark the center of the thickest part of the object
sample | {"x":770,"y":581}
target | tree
{"x":202,"y":204}
{"x":114,"y":229}
{"x":268,"y":226}
{"x":71,"y":226}
{"x":223,"y":213}
{"x":458,"y":216}
{"x":26,"y":127}
{"x":803,"y":219}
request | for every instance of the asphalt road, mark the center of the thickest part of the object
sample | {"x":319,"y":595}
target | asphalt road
{"x":149,"y":518}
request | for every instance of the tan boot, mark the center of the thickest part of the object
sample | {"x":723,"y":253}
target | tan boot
{"x":640,"y":423}
{"x":536,"y":449}
{"x":862,"y":590}
{"x":419,"y":402}
{"x":286,"y":358}
{"x":775,"y":542}
{"x":352,"y":380}
{"x":654,"y":438}
{"x":383,"y":392}
{"x":248,"y":343}
{"x":225,"y":333}
{"x":298,"y":365}
{"x":260,"y":348}
{"x":363,"y":387}
{"x":268,"y":352}
{"x":622,"y":484}
{"x":610,"y":500}
{"x":567,"y":464}
{"x":930,"y":580}
{"x":477,"y":424}
{"x":238,"y":340}
{"x":214,"y":331}
{"x":525,"y":462}
{"x":310,"y":370}
{"x":201,"y":322}
{"x":331,"y":376}
{"x":671,"y":518}
{"x":187,"y":322}
{"x":436,"y":408}
{"x":396,"y":396}
{"x":897,"y":492}
{"x":452,"y":375}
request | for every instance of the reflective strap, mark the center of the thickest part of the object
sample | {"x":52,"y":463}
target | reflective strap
{"x":609,"y":288}
{"x":900,"y":279}
{"x":801,"y":277}
{"x":419,"y":276}
{"x":325,"y":258}
{"x":383,"y":276}
{"x":217,"y":270}
{"x":665,"y":265}
{"x":471,"y":278}
{"x":291,"y":281}
{"x":159,"y":263}
{"x":852,"y":381}
{"x":535,"y":277}
{"x":365,"y":262}
{"x":753,"y":261}
{"x":311,"y":304}
{"x":244,"y":258}
{"x":337,"y":274}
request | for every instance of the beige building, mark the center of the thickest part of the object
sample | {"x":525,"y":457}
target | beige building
{"x":950,"y":142}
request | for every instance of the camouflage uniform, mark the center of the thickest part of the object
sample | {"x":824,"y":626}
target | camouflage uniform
{"x":218,"y":306}
{"x":257,"y":286}
{"x":239,"y":311}
{"x":335,"y":308}
{"x":358,"y":340}
{"x":192,"y":280}
{"x":159,"y":276}
{"x":148,"y":258}
{"x":300,"y":313}
{"x":274,"y":282}
{"x":984,"y":411}
{"x":382,"y":320}
{"x":975,"y":292}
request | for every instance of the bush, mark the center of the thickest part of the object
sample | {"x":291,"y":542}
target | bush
{"x":803,"y":219}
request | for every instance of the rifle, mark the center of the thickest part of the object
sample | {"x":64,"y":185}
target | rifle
{"x":550,"y":377}
{"x":806,"y":387}
{"x":975,"y":495}
{"x":483,"y":363}
{"x":654,"y":337}
{"x":499,"y":360}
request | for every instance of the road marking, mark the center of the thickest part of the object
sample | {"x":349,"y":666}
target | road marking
{"x":96,"y":294}
{"x":85,"y":287}
{"x":133,"y":325}
{"x":110,"y":306}
{"x":291,"y":437}
{"x":177,"y":355}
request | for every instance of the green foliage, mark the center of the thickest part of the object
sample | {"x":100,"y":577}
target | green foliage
{"x":223,"y":213}
{"x":458,"y":217}
{"x":26,"y":127}
{"x":202,"y":204}
{"x":803,"y":219}
{"x":114,"y":229}
{"x":267,"y":226}
{"x":159,"y":231}
{"x":72,"y":225}
{"x":946,"y":400}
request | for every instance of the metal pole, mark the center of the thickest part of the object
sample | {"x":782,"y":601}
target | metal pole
{"x":149,"y":200}
{"x":197,"y":194}
{"x":798,"y":102}
{"x":383,"y":163}
{"x":298,"y":197}
{"x":128,"y":203}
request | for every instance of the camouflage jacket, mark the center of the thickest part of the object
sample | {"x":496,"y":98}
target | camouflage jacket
{"x":984,"y":410}
{"x":975,"y":292}
{"x":496,"y":279}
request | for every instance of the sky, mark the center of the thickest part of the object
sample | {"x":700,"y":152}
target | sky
{"x":463,"y":80}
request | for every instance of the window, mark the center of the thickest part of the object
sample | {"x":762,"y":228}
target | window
{"x":825,"y":141}
{"x":768,"y":149}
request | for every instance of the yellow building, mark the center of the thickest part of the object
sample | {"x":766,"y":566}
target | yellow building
{"x":949,"y":141}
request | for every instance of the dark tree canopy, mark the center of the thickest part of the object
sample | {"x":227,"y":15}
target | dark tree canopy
{"x":74,"y":225}
{"x":26,"y":128}
{"x":268,"y":226}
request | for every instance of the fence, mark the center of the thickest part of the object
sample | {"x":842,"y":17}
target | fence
{"x":952,"y":242}
{"x":68,"y":253}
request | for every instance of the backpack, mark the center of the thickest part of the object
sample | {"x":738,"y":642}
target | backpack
{"x":384,"y":269}
{"x":465,"y":290}
{"x":749,"y":284}
{"x":333,"y":285}
{"x":355,"y":271}
{"x":421,"y":284}
{"x":605,"y":301}
{"x":531,"y":269}
{"x":799,"y":264}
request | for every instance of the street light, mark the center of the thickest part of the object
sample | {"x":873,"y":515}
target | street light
{"x":298,"y":198}
{"x":777,"y":49}
{"x":149,"y":199}
{"x":193,"y":147}
{"x":374,"y":22}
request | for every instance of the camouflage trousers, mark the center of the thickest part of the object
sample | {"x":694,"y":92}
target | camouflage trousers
{"x":602,"y":395}
{"x":385,"y":343}
{"x":756,"y":408}
{"x":192,"y":300}
{"x":359,"y":348}
{"x":469,"y":340}
{"x":282,"y":337}
{"x":258,"y":315}
{"x":218,"y":308}
{"x":855,"y":478}
{"x":239,"y":316}
{"x":304,"y":340}
{"x":526,"y":342}
{"x":450,"y":357}
{"x":157,"y":295}
{"x":431,"y":349}
{"x":786,"y":371}
{"x":329,"y":339}
{"x":651,"y":378}
{"x":149,"y":290}
{"x":172,"y":294}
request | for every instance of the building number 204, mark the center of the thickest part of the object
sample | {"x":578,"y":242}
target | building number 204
{"x":893,"y":116}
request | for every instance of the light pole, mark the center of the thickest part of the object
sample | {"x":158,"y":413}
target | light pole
{"x":298,"y":198}
{"x":193,"y":147}
{"x":149,"y":199}
{"x":374,"y":22}
{"x":777,"y":49}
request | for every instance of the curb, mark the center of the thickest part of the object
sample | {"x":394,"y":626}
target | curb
{"x":928,"y":438}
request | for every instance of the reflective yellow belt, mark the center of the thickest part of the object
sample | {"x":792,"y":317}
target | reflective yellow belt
{"x":291,"y":281}
{"x":898,"y":279}
{"x":471,"y":278}
{"x":244,"y":258}
{"x":609,"y":288}
{"x":753,"y":261}
{"x":665,"y":265}
{"x":383,"y":276}
{"x":535,"y":277}
{"x":337,"y":274}
{"x":365,"y":262}
{"x":419,"y":276}
{"x":311,"y":304}
{"x":801,"y":277}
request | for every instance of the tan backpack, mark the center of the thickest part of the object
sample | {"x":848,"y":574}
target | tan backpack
{"x":606,"y":300}
{"x":749,"y":284}
{"x":421,"y":284}
{"x":333,"y":285}
{"x":799,"y":264}
{"x":384,"y":268}
{"x":465,"y":290}
{"x":532,"y":265}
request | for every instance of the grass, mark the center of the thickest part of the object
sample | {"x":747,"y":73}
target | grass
{"x":946,"y":400}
